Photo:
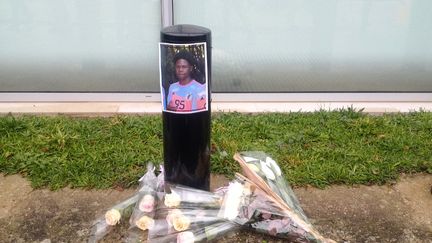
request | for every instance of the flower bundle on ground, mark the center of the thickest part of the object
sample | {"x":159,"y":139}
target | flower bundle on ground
{"x":130,"y":208}
{"x":260,"y":200}
{"x":186,"y":214}
{"x":267,"y":203}
{"x":266,"y":173}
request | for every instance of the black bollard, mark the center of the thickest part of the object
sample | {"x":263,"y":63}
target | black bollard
{"x":185,"y":73}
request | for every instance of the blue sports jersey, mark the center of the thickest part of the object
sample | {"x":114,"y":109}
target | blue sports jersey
{"x":187,"y":97}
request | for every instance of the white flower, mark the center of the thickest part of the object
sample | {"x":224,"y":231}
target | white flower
{"x":172,"y":200}
{"x":185,"y":237}
{"x":181,"y":223}
{"x":112,"y":217}
{"x":272,"y":164}
{"x":253,"y":168}
{"x":173,"y":214}
{"x":232,"y":200}
{"x":147,"y":203}
{"x":248,"y":159}
{"x":267,"y":171}
{"x":145,"y":223}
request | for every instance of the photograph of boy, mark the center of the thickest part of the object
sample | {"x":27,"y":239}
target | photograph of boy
{"x":186,"y":94}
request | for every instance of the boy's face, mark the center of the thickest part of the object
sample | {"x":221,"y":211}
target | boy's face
{"x":183,"y":69}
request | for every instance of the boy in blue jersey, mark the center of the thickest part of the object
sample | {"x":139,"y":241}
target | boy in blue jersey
{"x":187,"y":94}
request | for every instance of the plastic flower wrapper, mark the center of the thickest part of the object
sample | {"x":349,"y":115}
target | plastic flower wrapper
{"x":262,"y":169}
{"x":176,"y":220}
{"x":104,"y":224}
{"x":177,"y":196}
{"x":182,"y":208}
{"x":160,"y":180}
{"x":186,"y":213}
{"x":142,"y":217}
{"x":248,"y":205}
{"x":280,"y":226}
{"x":148,"y":180}
{"x":121,"y":211}
{"x":143,"y":213}
{"x":206,"y":233}
{"x":242,"y":198}
{"x":160,"y":183}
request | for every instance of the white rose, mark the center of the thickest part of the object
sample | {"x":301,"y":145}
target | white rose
{"x":145,"y":223}
{"x":181,"y":223}
{"x":112,"y":217}
{"x":147,"y":203}
{"x":173,"y":214}
{"x":253,"y":167}
{"x":185,"y":237}
{"x":172,"y":200}
{"x":248,"y":159}
{"x":274,"y":165}
{"x":267,"y":171}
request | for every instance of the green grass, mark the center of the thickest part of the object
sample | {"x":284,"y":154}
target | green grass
{"x":319,"y":149}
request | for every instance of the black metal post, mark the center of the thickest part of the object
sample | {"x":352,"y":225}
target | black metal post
{"x":186,"y":100}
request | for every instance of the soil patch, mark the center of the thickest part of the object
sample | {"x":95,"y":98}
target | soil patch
{"x":390,"y":213}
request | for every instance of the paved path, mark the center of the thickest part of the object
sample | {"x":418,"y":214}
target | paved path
{"x":389,"y":213}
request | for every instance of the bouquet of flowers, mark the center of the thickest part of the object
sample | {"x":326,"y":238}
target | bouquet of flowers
{"x":266,"y":173}
{"x":178,"y":195}
{"x":121,"y":211}
{"x":267,"y":203}
{"x":261,"y":201}
{"x":142,"y":218}
{"x":186,"y":214}
{"x":206,"y":233}
{"x":142,"y":215}
{"x":104,"y":224}
{"x":253,"y":208}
